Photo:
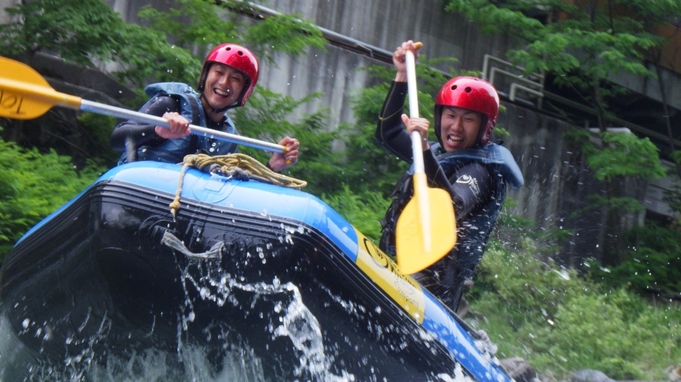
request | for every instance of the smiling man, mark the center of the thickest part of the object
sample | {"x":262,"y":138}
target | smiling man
{"x":463,"y":162}
{"x":228,"y":77}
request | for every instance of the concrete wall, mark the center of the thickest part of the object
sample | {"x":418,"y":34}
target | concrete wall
{"x":4,"y":17}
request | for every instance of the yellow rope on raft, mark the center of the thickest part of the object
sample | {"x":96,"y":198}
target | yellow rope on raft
{"x":239,"y":166}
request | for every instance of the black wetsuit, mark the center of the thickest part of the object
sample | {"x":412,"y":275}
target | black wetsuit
{"x":477,"y":189}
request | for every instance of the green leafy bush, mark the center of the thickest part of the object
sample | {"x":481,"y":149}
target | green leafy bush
{"x":531,"y":290}
{"x":266,"y":119}
{"x":87,"y":31}
{"x":562,"y":323}
{"x":652,"y":265}
{"x":33,"y":185}
{"x":364,"y":211}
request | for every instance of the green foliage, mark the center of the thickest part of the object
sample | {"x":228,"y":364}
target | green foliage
{"x":203,"y":23}
{"x":676,"y":156}
{"x":146,"y":56}
{"x":626,"y":155}
{"x":518,"y":232}
{"x":562,"y":323}
{"x":78,"y":30}
{"x":97,"y":129}
{"x":193,"y":22}
{"x":285,"y":33}
{"x":590,"y":331}
{"x":267,"y":118}
{"x":616,"y":155}
{"x":652,"y":265}
{"x":625,"y":203}
{"x":86,"y":31}
{"x":33,"y":185}
{"x":372,"y":168}
{"x":531,"y":291}
{"x":364,"y":211}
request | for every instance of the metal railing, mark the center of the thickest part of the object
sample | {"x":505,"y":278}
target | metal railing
{"x":534,"y":84}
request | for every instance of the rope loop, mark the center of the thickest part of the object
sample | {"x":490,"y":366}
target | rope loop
{"x":238,"y":166}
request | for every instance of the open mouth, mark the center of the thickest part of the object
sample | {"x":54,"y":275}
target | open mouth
{"x":223,"y":93}
{"x":454,"y":140}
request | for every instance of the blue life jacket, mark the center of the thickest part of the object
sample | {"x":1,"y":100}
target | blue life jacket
{"x":174,"y":150}
{"x":474,"y":230}
{"x":493,"y":154}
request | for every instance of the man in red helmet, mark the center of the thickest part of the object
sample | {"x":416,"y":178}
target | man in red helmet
{"x":463,"y":162}
{"x":228,"y":77}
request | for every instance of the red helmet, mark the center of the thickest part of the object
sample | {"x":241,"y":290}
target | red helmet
{"x":237,"y":57}
{"x":470,"y":93}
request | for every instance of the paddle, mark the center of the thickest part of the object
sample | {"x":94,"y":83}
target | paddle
{"x":25,"y":94}
{"x":426,"y":228}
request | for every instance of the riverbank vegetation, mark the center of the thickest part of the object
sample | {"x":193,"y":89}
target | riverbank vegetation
{"x":561,"y":321}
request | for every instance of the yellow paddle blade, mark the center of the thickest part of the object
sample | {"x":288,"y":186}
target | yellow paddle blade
{"x":416,"y":249}
{"x":25,"y":94}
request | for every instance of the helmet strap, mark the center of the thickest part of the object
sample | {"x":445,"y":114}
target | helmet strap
{"x":482,"y":130}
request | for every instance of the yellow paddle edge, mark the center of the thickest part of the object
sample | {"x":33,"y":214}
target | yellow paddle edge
{"x":426,"y":228}
{"x":25,"y":94}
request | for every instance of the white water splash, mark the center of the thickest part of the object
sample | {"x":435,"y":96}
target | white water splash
{"x":297,"y":324}
{"x":357,"y":310}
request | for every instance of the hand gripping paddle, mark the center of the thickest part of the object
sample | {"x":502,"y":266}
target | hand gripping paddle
{"x":426,"y":229}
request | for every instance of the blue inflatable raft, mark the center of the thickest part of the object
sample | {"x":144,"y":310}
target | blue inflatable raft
{"x":270,"y":274}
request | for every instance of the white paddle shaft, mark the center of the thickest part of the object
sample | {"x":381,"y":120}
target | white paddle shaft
{"x":414,"y":110}
{"x":118,"y":112}
{"x":420,"y":188}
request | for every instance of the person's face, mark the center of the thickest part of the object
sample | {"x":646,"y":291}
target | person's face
{"x":223,"y":85}
{"x":459,"y":128}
